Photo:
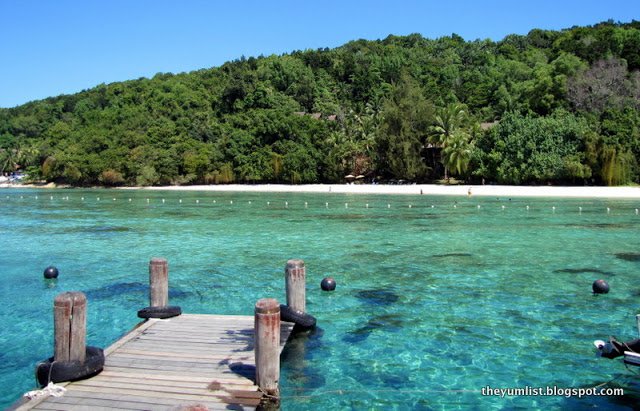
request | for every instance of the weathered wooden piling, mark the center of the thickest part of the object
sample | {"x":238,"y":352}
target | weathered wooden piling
{"x":72,"y":358}
{"x":158,"y":282}
{"x":295,"y":273}
{"x":295,"y":309}
{"x":159,"y":292}
{"x":70,"y":327}
{"x":267,"y":345}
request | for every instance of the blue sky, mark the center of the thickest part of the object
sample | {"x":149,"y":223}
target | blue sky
{"x":52,"y":47}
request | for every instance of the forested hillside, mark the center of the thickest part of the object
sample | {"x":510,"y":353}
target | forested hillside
{"x":558,"y":107}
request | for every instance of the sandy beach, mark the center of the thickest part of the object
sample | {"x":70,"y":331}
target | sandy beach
{"x":424,"y":189}
{"x":415,"y":189}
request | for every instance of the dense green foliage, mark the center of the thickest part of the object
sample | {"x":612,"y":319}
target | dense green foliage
{"x":557,"y":107}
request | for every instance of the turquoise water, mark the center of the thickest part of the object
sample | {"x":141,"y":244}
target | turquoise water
{"x":436,"y":297}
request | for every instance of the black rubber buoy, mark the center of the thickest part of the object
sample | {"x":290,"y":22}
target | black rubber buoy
{"x":50,"y":272}
{"x":328,"y":284}
{"x":600,"y":287}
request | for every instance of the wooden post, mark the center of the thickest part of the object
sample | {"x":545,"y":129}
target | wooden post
{"x":70,"y":326}
{"x":295,"y":273}
{"x":159,"y":292}
{"x":267,"y":345}
{"x":158,"y":282}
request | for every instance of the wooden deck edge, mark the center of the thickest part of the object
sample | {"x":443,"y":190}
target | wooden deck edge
{"x":24,"y":403}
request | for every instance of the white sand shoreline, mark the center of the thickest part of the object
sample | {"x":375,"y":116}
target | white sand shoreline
{"x":416,"y":189}
{"x":424,"y":189}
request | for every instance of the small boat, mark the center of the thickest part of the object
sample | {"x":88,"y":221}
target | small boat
{"x":613,"y":348}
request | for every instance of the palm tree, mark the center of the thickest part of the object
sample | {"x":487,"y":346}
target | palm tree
{"x":7,"y":160}
{"x":449,"y":127}
{"x":18,"y":156}
{"x":365,"y":127}
{"x":457,"y":154}
{"x":352,"y":146}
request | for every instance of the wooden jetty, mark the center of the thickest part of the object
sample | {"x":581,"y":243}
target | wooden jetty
{"x":174,"y":364}
{"x":191,"y":362}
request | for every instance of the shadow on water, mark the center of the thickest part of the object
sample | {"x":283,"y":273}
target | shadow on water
{"x":300,"y":348}
{"x":636,"y":293}
{"x":344,"y":216}
{"x":452,"y":255}
{"x":361,"y":253}
{"x":369,"y":377}
{"x":181,"y":213}
{"x":104,"y":230}
{"x":108,"y":229}
{"x":118,"y":289}
{"x":583,"y":270}
{"x":598,"y":225}
{"x":383,"y":322}
{"x":420,"y":219}
{"x":397,"y":381}
{"x":5,"y":364}
{"x":517,"y":315}
{"x":628,"y":256}
{"x":377,"y":296}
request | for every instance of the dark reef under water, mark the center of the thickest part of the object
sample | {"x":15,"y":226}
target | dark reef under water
{"x":116,"y":289}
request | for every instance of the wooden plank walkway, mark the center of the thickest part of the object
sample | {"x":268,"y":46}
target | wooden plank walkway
{"x":174,"y":364}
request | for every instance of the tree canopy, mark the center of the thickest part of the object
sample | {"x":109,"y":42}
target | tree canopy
{"x":546,"y":107}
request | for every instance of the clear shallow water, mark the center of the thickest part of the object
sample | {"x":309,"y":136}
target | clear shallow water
{"x":432,"y":304}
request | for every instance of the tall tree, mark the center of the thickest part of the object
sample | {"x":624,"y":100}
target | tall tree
{"x":457,"y":154}
{"x":449,"y":132}
{"x":404,"y":125}
{"x":604,"y":85}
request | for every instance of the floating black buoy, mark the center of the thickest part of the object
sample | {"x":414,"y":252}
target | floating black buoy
{"x":328,"y":284}
{"x":600,"y":287}
{"x":50,"y":272}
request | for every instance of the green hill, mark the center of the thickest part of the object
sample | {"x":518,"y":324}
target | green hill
{"x":548,"y":107}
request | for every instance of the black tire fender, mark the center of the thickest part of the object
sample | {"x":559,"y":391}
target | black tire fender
{"x":303,"y":320}
{"x":60,"y":371}
{"x":160,"y":312}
